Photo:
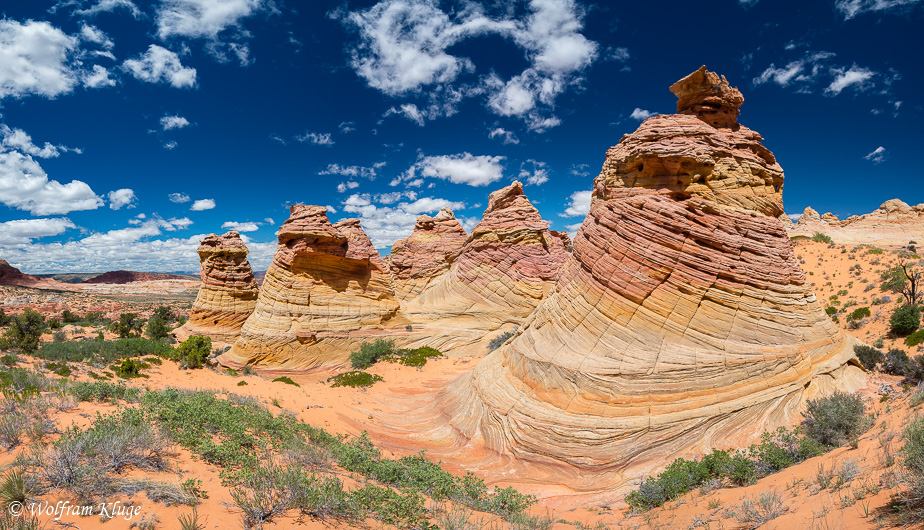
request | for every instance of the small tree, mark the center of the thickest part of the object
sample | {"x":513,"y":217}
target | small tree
{"x":194,"y":351}
{"x":904,"y":279}
{"x":24,"y":332}
{"x":905,"y":320}
{"x":69,"y":317}
{"x":165,"y":313}
{"x":128,"y":326}
{"x":156,"y":328}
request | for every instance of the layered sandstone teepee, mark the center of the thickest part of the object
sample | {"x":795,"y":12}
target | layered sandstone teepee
{"x":508,"y":264}
{"x":228,"y":293}
{"x":326,"y":290}
{"x":420,"y":258}
{"x":681,"y":322}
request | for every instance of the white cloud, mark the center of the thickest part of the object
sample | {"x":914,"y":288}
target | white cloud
{"x":347,"y":127}
{"x":178,"y":197}
{"x":353,"y":171}
{"x":23,"y":231}
{"x":102,"y":6}
{"x":572,"y":229}
{"x":507,"y":136}
{"x":171,"y":145}
{"x":202,"y":18}
{"x":405,"y":47}
{"x":641,"y":114}
{"x":122,"y":197}
{"x":463,"y":168}
{"x":877,"y":156}
{"x":95,"y":35}
{"x":98,"y":77}
{"x":315,"y":138}
{"x":173,"y":122}
{"x":579,"y":205}
{"x":386,"y":224}
{"x":852,"y":8}
{"x":748,"y":3}
{"x":331,"y":209}
{"x":619,"y":54}
{"x":35,"y":58}
{"x":580,"y":170}
{"x":269,"y":221}
{"x":202,"y":204}
{"x":854,"y":76}
{"x":24,"y":185}
{"x":534,"y":172}
{"x":160,"y":65}
{"x":349,"y":185}
{"x":241,"y":227}
{"x":794,"y":217}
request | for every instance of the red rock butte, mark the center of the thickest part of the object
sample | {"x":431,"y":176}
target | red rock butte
{"x":229,"y":291}
{"x":681,"y":322}
{"x":425,"y":255}
{"x":326,"y":291}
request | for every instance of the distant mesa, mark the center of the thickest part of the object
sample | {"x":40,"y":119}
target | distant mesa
{"x":894,"y":223}
{"x":228,"y":293}
{"x":120,"y":277}
{"x":326,"y":291}
{"x":425,"y":255}
{"x":681,"y":321}
{"x":10,"y":275}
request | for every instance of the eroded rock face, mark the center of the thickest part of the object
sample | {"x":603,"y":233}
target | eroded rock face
{"x":326,"y":289}
{"x":681,"y":322}
{"x":508,"y":264}
{"x":425,"y":255}
{"x":229,"y":291}
{"x":894,"y":223}
{"x":10,"y":275}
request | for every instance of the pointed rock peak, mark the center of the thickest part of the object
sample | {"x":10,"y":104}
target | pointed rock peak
{"x":809,"y":214}
{"x":445,"y":213}
{"x":444,"y":221}
{"x":893,"y":205}
{"x":230,"y":242}
{"x":708,"y":96}
{"x":308,"y":221}
{"x":348,"y":223}
{"x":507,"y":196}
{"x":359,"y":246}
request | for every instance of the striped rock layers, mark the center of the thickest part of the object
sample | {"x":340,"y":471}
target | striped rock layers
{"x":509,"y":263}
{"x":326,"y":290}
{"x":228,"y":293}
{"x":681,"y":322}
{"x":894,"y":223}
{"x":425,"y":255}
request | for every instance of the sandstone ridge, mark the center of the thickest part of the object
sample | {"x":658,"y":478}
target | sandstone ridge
{"x":894,"y":223}
{"x":425,"y":255}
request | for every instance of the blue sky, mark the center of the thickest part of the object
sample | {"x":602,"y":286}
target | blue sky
{"x":131,"y":129}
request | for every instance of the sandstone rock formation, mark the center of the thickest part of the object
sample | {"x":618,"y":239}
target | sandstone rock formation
{"x":10,"y":275}
{"x":681,"y":322}
{"x":326,"y":290}
{"x":894,"y":223}
{"x":508,"y":264}
{"x":228,"y":293}
{"x":425,"y":255}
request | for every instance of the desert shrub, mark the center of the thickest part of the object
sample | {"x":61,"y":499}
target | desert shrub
{"x":915,"y":338}
{"x":9,"y":360}
{"x":157,"y":328}
{"x":128,"y":326}
{"x":782,"y":448}
{"x":912,"y":500}
{"x":859,"y":314}
{"x":755,"y":512}
{"x":736,"y":467}
{"x":129,"y":369}
{"x":194,"y":351}
{"x":69,"y":317}
{"x":286,"y":380}
{"x":61,"y":369}
{"x":869,"y":357}
{"x":165,"y":313}
{"x":830,"y":310}
{"x":267,"y":492}
{"x":416,"y":357}
{"x":104,"y":391}
{"x":102,"y":351}
{"x":355,"y":378}
{"x":897,"y":362}
{"x":24,"y":332}
{"x":818,"y":237}
{"x":836,"y":419}
{"x":905,"y":320}
{"x":499,"y":340}
{"x":18,"y":486}
{"x":370,"y":353}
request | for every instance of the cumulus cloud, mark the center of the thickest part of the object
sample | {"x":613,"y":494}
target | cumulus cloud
{"x":854,"y":76}
{"x":171,"y":145}
{"x":218,"y":21}
{"x":160,"y":65}
{"x":349,"y":185}
{"x":578,"y":205}
{"x":23,"y":231}
{"x":178,"y":198}
{"x":123,"y":197}
{"x":347,"y":127}
{"x":534,"y":172}
{"x":248,"y":226}
{"x":353,"y":171}
{"x":98,"y":77}
{"x":315,"y":138}
{"x":24,"y":185}
{"x":852,"y":8}
{"x":405,"y":47}
{"x":173,"y":122}
{"x":641,"y":114}
{"x":202,"y":204}
{"x":100,"y":6}
{"x":877,"y":156}
{"x":463,"y":168}
{"x":506,"y":136}
{"x":386,"y":224}
{"x":36,"y":58}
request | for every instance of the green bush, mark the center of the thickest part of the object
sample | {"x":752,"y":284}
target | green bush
{"x":836,"y":419}
{"x":869,"y":357}
{"x":416,"y":357}
{"x":104,"y":391}
{"x":905,"y":320}
{"x":818,"y":237}
{"x":129,"y":369}
{"x":24,"y":332}
{"x":157,"y":328}
{"x":194,"y":351}
{"x":127,"y":326}
{"x":912,"y":500}
{"x":915,"y":338}
{"x":830,"y":310}
{"x":499,"y":340}
{"x":356,"y":378}
{"x":103,"y":351}
{"x":286,"y":380}
{"x":897,"y":362}
{"x":859,"y":314}
{"x":782,"y":448}
{"x":370,"y":353}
